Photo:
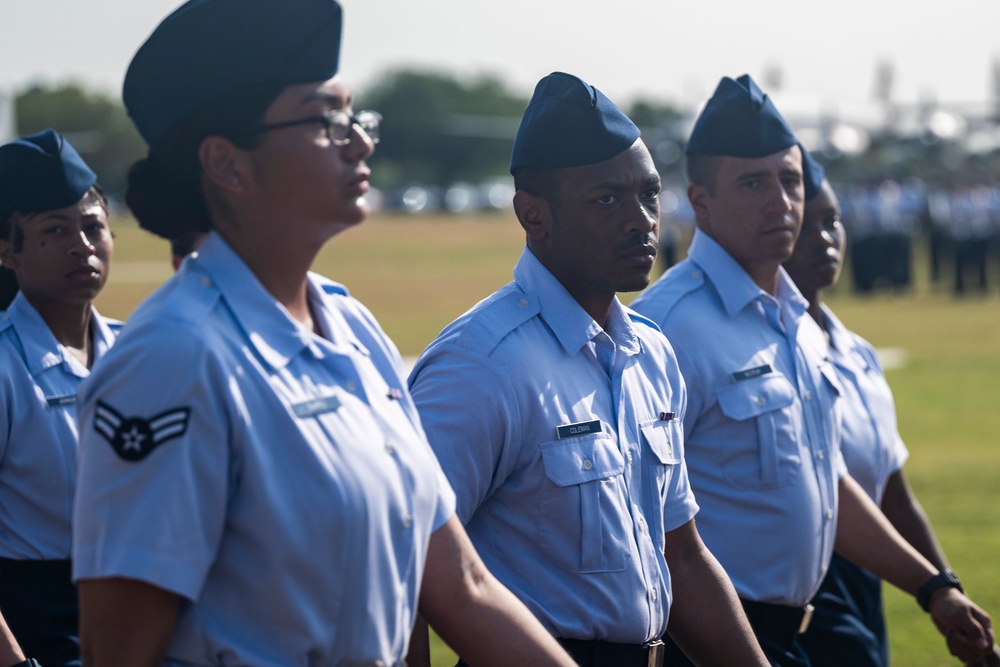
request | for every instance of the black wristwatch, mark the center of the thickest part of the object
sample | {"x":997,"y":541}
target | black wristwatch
{"x":946,"y":578}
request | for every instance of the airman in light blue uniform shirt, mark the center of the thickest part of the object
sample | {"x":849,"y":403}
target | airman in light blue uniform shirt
{"x":38,"y":431}
{"x":269,"y":444}
{"x":762,"y":425}
{"x":872,"y":447}
{"x":557,"y":412}
{"x":563,"y":441}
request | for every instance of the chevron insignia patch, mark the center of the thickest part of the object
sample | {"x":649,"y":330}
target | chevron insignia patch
{"x":133,"y":438}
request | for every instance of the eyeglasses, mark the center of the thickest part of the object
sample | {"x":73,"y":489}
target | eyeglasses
{"x":337,"y":123}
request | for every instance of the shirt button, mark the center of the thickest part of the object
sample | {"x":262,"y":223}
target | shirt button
{"x":408,"y":521}
{"x":654,"y":595}
{"x":829,"y":514}
{"x":350,"y":386}
{"x":760,"y":400}
{"x":389,"y":447}
{"x":628,"y":455}
{"x":587,"y":465}
{"x":696,"y":274}
{"x":809,"y":395}
{"x":206,"y":282}
{"x":522,"y":303}
{"x":821,"y":455}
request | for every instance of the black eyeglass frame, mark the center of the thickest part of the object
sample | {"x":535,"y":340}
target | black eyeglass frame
{"x":326,"y":119}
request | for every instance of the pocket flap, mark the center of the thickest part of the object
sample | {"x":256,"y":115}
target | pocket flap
{"x":752,"y":398}
{"x":659,"y":435}
{"x":579,"y":460}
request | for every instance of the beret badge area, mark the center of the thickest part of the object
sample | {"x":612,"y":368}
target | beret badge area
{"x":134,"y":438}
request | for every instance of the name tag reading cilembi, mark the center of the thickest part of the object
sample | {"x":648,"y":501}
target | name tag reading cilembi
{"x":578,"y":429}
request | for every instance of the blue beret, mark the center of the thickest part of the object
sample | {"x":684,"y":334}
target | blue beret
{"x":569,"y":124}
{"x":741,"y":121}
{"x":208,"y":48}
{"x":41,"y":173}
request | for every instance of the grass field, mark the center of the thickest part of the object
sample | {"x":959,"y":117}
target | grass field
{"x":417,"y":274}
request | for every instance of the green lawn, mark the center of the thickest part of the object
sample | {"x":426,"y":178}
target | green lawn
{"x":416,"y":274}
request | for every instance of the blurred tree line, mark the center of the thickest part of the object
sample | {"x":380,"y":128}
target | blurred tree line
{"x":437,"y":129}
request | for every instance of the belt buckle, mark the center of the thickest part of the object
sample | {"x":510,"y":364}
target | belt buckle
{"x":655,"y":650}
{"x":807,"y":615}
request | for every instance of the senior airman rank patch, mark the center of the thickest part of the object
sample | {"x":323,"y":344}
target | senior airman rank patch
{"x":133,"y":438}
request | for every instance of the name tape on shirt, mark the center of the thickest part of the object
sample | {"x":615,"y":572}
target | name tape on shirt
{"x":61,"y":401}
{"x":315,"y":406}
{"x":133,"y":438}
{"x":578,"y":429}
{"x":750,"y":373}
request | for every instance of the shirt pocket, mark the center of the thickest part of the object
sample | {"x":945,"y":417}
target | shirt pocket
{"x":661,"y":446}
{"x":766,"y":452}
{"x":583,"y":522}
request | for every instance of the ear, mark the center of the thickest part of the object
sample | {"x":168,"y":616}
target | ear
{"x":222,"y":163}
{"x":698,"y":195}
{"x":7,"y":256}
{"x":534,"y":214}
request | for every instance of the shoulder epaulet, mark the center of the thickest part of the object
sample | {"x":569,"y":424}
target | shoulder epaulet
{"x":666,"y":292}
{"x":335,"y":289}
{"x":493,"y":320}
{"x":183,"y":305}
{"x":639,"y":318}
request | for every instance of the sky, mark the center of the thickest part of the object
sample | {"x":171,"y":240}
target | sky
{"x":665,"y":50}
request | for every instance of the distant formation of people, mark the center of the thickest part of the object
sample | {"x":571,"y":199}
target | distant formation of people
{"x":960,"y":226}
{"x":242,"y":473}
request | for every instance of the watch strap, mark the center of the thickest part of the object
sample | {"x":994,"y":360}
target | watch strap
{"x":946,"y":578}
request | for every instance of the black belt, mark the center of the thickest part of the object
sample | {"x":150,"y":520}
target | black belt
{"x":597,"y":653}
{"x":31,"y":571}
{"x":778,"y":621}
{"x":39,"y":603}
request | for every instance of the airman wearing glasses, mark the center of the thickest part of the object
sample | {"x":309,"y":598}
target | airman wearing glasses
{"x":255,"y":486}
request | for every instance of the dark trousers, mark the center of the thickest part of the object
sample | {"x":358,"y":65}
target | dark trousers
{"x":601,"y":654}
{"x":38,"y":601}
{"x":848,"y":626}
{"x":776,"y":628}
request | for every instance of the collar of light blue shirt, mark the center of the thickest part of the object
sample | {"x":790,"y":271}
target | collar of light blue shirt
{"x":567,"y":319}
{"x":275,"y":335}
{"x":732,"y":283}
{"x":39,"y":345}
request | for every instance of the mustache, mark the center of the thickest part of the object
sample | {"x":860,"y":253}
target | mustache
{"x":640,"y":240}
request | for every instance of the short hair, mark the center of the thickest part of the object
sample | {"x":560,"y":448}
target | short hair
{"x":702,"y":169}
{"x":542,"y":183}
